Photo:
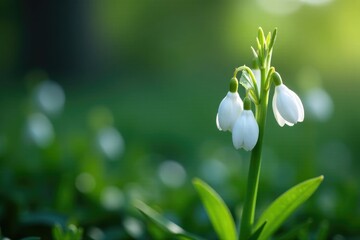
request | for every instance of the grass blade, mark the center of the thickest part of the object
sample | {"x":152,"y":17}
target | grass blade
{"x":217,"y":211}
{"x":164,"y":224}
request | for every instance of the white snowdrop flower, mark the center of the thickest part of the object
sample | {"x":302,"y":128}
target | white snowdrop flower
{"x":229,"y":110}
{"x":287,"y":106}
{"x":245,"y":132}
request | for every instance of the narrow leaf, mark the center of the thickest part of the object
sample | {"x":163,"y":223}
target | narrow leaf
{"x":254,"y":52}
{"x":217,"y":211}
{"x":261,"y":36}
{"x":256,"y":234}
{"x":245,"y":81}
{"x":258,"y":44}
{"x":273,"y":39}
{"x":162,"y":223}
{"x":285,"y":205}
{"x":268,"y":38}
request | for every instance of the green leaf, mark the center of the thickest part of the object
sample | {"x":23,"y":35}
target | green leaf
{"x":217,"y":211}
{"x":273,"y":39}
{"x":163,"y":223}
{"x":268,"y":39}
{"x":261,"y":36}
{"x":31,"y":238}
{"x":245,"y":80}
{"x":256,"y":234}
{"x":285,"y":205}
{"x":254,"y":52}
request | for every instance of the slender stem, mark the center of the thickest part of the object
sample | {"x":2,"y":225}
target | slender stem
{"x":248,"y":214}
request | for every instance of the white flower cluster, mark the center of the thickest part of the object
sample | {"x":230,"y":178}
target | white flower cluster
{"x":237,"y":117}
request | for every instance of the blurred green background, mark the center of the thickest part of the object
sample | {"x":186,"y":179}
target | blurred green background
{"x":106,"y":102}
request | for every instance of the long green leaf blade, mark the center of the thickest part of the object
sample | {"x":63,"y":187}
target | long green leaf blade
{"x":164,"y":224}
{"x":217,"y":211}
{"x":256,"y":234}
{"x":285,"y":205}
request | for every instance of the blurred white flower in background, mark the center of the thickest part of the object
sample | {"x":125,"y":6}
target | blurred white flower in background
{"x":172,"y":174}
{"x":317,"y":101}
{"x":286,"y":7}
{"x":318,"y":104}
{"x":280,"y":7}
{"x":110,"y":142}
{"x":133,"y":227}
{"x":40,"y":130}
{"x":49,"y":97}
{"x":316,"y":2}
{"x":96,"y":233}
{"x":214,"y":171}
{"x":112,"y":198}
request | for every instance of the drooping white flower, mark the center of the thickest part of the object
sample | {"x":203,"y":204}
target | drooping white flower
{"x":287,"y":106}
{"x":229,"y":110}
{"x":245,"y":132}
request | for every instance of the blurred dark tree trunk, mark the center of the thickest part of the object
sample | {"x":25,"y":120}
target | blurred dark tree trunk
{"x":56,"y":37}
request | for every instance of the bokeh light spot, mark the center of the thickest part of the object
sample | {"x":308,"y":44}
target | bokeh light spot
{"x":85,"y":182}
{"x":40,"y":130}
{"x":96,"y":233}
{"x":172,"y":174}
{"x":280,"y":7}
{"x":214,"y":171}
{"x":110,"y":142}
{"x":133,"y":227}
{"x":318,"y":104}
{"x":50,"y":97}
{"x":112,"y":198}
{"x":316,"y":2}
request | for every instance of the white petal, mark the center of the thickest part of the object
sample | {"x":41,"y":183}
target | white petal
{"x":237,"y":134}
{"x":277,"y":115}
{"x":217,"y":122}
{"x":246,"y":131}
{"x":252,"y":131}
{"x":300,"y":106}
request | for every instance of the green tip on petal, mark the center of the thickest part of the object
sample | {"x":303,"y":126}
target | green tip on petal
{"x":276,"y":79}
{"x":247,"y":103}
{"x":234,"y":85}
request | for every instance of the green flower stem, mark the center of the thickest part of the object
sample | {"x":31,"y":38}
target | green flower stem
{"x":248,"y":214}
